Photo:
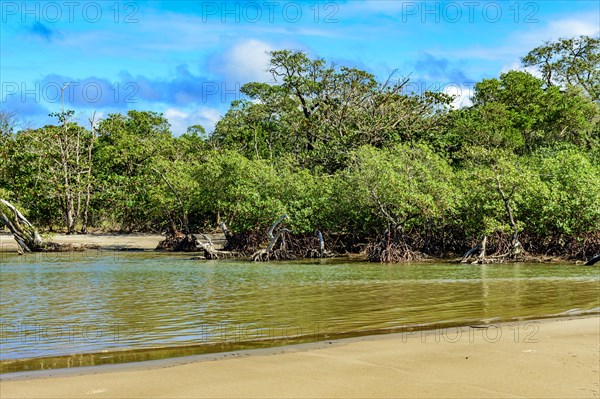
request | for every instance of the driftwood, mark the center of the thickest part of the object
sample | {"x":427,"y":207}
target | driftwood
{"x":25,"y":234}
{"x":593,"y":260}
{"x":210,"y":252}
{"x":179,"y":242}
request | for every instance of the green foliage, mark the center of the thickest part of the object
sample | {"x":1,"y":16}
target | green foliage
{"x":572,"y":61}
{"x":251,"y":194}
{"x":128,"y":146}
{"x":517,"y":112}
{"x":481,"y":180}
{"x":407,"y":186}
{"x":572,"y":201}
{"x":45,"y":168}
{"x":242,"y":191}
{"x":320,"y":113}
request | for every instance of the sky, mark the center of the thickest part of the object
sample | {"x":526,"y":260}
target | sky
{"x":188,"y":59}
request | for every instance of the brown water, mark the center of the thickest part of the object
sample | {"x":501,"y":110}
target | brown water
{"x":63,"y":310}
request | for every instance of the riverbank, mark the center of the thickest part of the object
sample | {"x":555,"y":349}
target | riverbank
{"x":557,"y":358}
{"x":149,"y":242}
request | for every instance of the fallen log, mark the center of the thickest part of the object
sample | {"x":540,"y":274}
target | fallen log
{"x":25,"y":234}
{"x":593,"y":260}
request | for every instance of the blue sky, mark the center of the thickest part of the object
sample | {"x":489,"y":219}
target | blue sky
{"x":187,"y":59}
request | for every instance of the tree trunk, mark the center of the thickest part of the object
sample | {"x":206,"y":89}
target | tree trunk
{"x":88,"y":189}
{"x":184,"y":216}
{"x":69,"y":214}
{"x":321,"y":244}
{"x":516,"y":247}
{"x":24,"y":233}
{"x":480,"y":247}
{"x":225,"y":231}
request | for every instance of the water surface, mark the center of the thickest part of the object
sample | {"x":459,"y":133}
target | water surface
{"x":60,"y":310}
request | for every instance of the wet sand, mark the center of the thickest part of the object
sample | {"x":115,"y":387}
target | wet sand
{"x":557,"y":358}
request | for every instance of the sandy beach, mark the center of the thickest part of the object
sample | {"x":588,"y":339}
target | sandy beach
{"x":557,"y":358}
{"x":103,"y":241}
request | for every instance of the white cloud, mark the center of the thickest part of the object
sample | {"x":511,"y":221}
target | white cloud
{"x":574,"y":27}
{"x":462,"y":95}
{"x":181,"y":119}
{"x":520,"y":42}
{"x":246,"y":61}
{"x":513,"y":66}
{"x":516,"y":66}
{"x":587,"y":25}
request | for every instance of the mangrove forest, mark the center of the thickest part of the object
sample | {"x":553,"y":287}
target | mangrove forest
{"x":329,"y":160}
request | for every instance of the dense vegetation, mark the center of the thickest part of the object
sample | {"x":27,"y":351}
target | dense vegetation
{"x":341,"y":153}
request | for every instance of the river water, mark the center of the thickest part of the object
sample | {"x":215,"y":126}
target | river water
{"x":77,"y":309}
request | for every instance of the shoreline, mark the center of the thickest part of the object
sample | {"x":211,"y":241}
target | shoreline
{"x":239,"y":348}
{"x":145,"y":242}
{"x":567,"y":348}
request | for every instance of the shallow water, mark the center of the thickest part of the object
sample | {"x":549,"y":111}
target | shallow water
{"x":62,"y":310}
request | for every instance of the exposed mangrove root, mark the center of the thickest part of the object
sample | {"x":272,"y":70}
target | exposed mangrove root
{"x":296,"y":245}
{"x":344,"y":244}
{"x":270,"y":252}
{"x":497,"y":248}
{"x":283,"y":245}
{"x":245,"y":243}
{"x":392,"y":247}
{"x":210,"y":252}
{"x":177,"y":241}
{"x":580,"y":246}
